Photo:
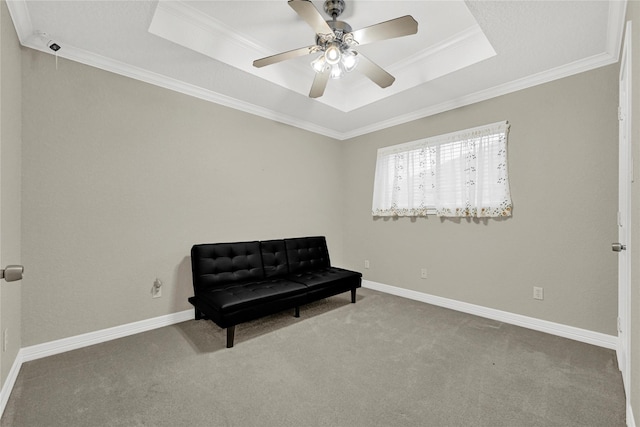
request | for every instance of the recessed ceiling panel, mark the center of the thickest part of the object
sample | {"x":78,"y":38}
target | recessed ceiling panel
{"x":237,"y":33}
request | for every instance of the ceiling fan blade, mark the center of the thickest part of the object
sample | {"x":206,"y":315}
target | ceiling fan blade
{"x":319,"y":84}
{"x":374,"y":72}
{"x":399,"y":27}
{"x":310,"y":14}
{"x":258,"y":63}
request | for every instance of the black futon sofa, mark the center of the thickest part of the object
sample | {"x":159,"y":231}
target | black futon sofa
{"x":242,"y":281}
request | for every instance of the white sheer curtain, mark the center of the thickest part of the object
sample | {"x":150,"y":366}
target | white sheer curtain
{"x":458,"y":174}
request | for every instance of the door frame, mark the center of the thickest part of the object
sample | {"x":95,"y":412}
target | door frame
{"x":625,"y":179}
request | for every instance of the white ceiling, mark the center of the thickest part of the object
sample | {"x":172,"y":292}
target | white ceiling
{"x":464,"y":52}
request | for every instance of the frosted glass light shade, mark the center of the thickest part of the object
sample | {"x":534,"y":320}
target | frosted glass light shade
{"x":319,"y":64}
{"x":349,"y":60}
{"x":333,"y":54}
{"x":337,"y":70}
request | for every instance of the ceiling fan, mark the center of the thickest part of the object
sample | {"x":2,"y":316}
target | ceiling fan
{"x":337,"y":42}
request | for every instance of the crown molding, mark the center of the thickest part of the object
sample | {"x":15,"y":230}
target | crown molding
{"x":617,"y":9}
{"x":120,"y":68}
{"x":460,"y":39}
{"x":464,"y":49}
{"x":573,"y":68}
{"x":216,"y":28}
{"x":615,"y":27}
{"x":21,"y":19}
{"x":26,"y":34}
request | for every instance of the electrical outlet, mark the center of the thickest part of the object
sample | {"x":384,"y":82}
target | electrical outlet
{"x":156,"y":290}
{"x":5,"y":340}
{"x":423,"y":273}
{"x":538,"y":292}
{"x":366,"y":263}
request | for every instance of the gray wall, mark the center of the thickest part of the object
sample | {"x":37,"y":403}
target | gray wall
{"x":10,"y":163}
{"x":563,"y":175}
{"x":121,"y":178}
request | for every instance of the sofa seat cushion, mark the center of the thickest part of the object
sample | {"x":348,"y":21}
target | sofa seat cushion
{"x":331,"y":276}
{"x":242,"y":296}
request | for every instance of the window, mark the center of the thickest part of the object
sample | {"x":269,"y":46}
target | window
{"x":458,"y":174}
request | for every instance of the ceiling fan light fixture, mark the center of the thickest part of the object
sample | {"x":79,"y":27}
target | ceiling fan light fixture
{"x":350,"y":60}
{"x":333,"y":54}
{"x":337,"y":70}
{"x":347,"y":63}
{"x":335,"y":40}
{"x":319,"y":64}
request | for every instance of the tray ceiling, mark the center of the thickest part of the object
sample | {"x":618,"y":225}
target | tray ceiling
{"x":464,"y":52}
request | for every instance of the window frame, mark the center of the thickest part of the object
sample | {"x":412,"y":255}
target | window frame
{"x":395,"y":157}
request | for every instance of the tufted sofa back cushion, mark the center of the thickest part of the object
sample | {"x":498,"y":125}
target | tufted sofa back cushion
{"x":274,"y":258}
{"x":225,"y":263}
{"x":307,"y":253}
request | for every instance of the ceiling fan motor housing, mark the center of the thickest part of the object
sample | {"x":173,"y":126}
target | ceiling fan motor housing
{"x":340,"y":34}
{"x":334,"y":8}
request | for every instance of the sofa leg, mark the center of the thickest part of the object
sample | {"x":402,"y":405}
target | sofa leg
{"x":353,"y":296}
{"x":297,"y":312}
{"x":198,"y":315}
{"x":231,"y":331}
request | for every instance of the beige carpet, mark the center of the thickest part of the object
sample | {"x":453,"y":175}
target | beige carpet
{"x":384,"y":361}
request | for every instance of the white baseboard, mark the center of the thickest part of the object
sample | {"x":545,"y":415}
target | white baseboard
{"x":39,"y":351}
{"x":7,"y":387}
{"x":631,"y":422}
{"x":577,"y":334}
